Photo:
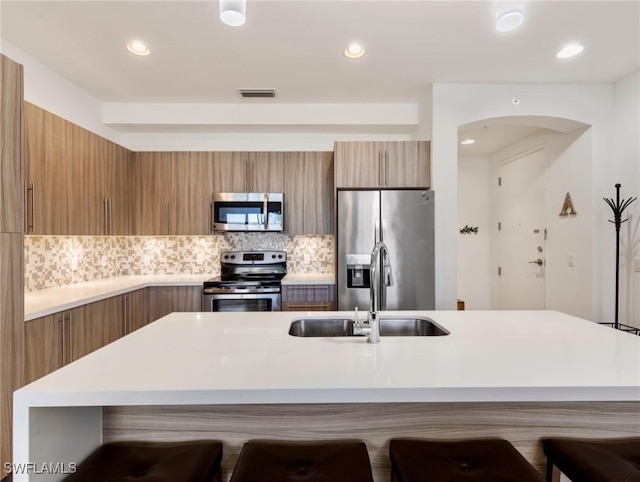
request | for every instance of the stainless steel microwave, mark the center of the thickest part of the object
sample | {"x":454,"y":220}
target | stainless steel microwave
{"x":235,"y":211}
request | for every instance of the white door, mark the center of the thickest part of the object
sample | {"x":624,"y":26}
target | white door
{"x":522,"y":204}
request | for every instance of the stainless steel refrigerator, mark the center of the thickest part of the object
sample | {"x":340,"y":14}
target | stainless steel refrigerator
{"x":404,"y":220}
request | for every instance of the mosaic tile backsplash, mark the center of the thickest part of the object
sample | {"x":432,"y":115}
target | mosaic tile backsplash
{"x":59,"y":260}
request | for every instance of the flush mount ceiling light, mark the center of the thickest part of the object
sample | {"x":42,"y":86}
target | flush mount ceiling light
{"x":509,"y":14}
{"x":137,"y":47}
{"x":233,"y":12}
{"x":468,"y":142}
{"x":570,"y":51}
{"x":353,"y":51}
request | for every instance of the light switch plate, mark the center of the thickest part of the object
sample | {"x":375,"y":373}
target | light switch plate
{"x":636,"y":265}
{"x":571,"y":260}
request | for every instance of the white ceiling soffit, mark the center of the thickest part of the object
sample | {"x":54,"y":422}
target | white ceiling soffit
{"x":564,"y":126}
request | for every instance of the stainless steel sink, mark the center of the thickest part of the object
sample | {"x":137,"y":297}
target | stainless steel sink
{"x":389,"y":326}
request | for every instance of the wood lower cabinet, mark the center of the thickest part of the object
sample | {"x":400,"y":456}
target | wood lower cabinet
{"x":167,"y":299}
{"x":55,"y":340}
{"x":95,"y":325}
{"x":401,"y":164}
{"x":309,"y":297}
{"x":309,"y":193}
{"x":44,"y":346}
{"x":137,"y":309}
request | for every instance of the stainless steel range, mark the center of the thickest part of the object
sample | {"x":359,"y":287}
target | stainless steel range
{"x":249,"y":281}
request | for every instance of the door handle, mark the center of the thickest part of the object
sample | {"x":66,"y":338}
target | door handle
{"x":538,"y":261}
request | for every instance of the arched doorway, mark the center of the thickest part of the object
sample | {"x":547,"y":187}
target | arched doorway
{"x":513,"y":181}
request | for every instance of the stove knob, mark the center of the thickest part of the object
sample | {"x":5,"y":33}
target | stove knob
{"x":226,"y":256}
{"x":233,"y":256}
{"x":273,"y":256}
{"x":280,"y":256}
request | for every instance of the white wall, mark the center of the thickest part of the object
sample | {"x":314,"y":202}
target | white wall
{"x":623,"y":167}
{"x":459,"y":104}
{"x":474,"y":205}
{"x":568,"y":289}
{"x":45,"y":88}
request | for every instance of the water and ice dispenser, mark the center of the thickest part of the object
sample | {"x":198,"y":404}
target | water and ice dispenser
{"x":358,"y":270}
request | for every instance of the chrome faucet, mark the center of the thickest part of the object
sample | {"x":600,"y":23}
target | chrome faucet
{"x":378,"y":301}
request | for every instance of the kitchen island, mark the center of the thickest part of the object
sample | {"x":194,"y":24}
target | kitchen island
{"x":232,"y":377}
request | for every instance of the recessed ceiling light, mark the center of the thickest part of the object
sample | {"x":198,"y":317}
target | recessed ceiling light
{"x":138,"y":48}
{"x":467,"y":142}
{"x":509,"y":14}
{"x":353,"y":51}
{"x":570,"y":51}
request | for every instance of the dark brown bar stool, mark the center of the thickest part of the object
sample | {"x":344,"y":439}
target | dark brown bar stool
{"x":608,"y":460}
{"x":325,"y":461}
{"x":477,"y":460}
{"x":192,"y":461}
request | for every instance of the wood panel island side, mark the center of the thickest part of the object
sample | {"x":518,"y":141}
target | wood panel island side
{"x":234,"y":377}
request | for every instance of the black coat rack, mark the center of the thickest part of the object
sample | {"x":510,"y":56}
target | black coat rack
{"x":618,"y":206}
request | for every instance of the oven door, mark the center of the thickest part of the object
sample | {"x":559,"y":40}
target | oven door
{"x":248,"y":212}
{"x":239,"y":302}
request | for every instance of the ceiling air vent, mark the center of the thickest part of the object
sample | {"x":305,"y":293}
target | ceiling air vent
{"x":253,"y":93}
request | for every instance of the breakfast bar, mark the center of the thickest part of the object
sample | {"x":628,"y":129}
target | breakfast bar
{"x":237,"y":376}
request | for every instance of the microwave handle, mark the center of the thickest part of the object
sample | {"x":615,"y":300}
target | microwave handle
{"x":265,"y":211}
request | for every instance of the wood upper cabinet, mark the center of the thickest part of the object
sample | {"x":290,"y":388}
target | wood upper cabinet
{"x":167,"y":299}
{"x":192,"y":188}
{"x":357,"y":164}
{"x":308,"y":193}
{"x":114,"y":173}
{"x":152,"y":192}
{"x":249,"y":171}
{"x":77,"y":182}
{"x":391,"y":164}
{"x":309,"y":297}
{"x":173,"y":192}
{"x":11,"y":147}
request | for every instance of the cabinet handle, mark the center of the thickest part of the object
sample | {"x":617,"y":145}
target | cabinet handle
{"x":31,"y":208}
{"x":110,"y":218}
{"x":386,"y":168}
{"x":70,"y":327}
{"x":250,"y":180}
{"x":167,"y":217}
{"x":64,"y":335}
{"x":125,"y":314}
{"x":105,"y":215}
{"x":380,"y":176}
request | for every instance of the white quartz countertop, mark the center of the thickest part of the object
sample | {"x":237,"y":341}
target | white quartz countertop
{"x":53,"y":300}
{"x":309,"y":279}
{"x":241,"y":358}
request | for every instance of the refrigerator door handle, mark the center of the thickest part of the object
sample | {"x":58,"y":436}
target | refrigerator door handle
{"x":376,"y":230}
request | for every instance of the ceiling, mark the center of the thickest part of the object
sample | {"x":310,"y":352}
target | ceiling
{"x":295,"y":47}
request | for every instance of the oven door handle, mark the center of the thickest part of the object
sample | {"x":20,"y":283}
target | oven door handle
{"x":231,"y":291}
